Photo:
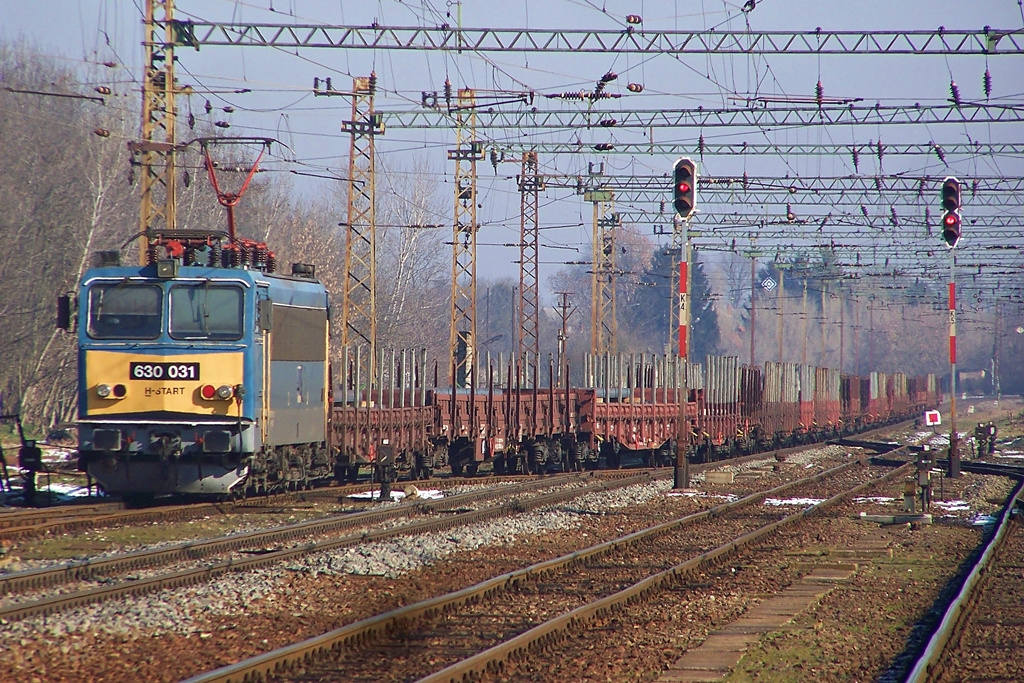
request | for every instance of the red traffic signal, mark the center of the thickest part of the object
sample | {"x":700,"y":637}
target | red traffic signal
{"x":951,"y":222}
{"x":951,"y":228}
{"x":684,"y":196}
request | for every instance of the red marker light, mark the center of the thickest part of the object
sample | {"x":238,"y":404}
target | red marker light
{"x":208,"y":392}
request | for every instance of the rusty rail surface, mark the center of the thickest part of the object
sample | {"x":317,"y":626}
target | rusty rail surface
{"x":30,"y":523}
{"x":45,"y":606}
{"x":71,"y":518}
{"x":44,"y":577}
{"x":353,"y":635}
{"x":929,"y":663}
{"x":13,"y":518}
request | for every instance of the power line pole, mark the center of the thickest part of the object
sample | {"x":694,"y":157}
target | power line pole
{"x":463,"y":311}
{"x":359,"y":302}
{"x":781,"y":306}
{"x":530,"y":184}
{"x":803,"y":342}
{"x":565,"y":310}
{"x":154,"y":154}
{"x":603,"y":281}
{"x":842,"y":329}
{"x":824,"y":324}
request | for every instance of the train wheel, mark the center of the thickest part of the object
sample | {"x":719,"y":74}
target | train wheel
{"x":662,"y":457}
{"x":499,"y":464}
{"x":472,"y":468}
{"x":611,"y":456}
{"x":457,"y":469}
{"x":523,"y":462}
{"x":353,"y":473}
{"x":537,"y":457}
{"x":577,"y":455}
{"x":137,"y":500}
{"x":418,"y":467}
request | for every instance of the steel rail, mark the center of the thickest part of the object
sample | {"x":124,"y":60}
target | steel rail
{"x":960,"y":608}
{"x":492,"y":659}
{"x":46,"y":606}
{"x":35,"y":516}
{"x":118,"y":514}
{"x":68,"y":522}
{"x":45,"y":577}
{"x":280,"y":660}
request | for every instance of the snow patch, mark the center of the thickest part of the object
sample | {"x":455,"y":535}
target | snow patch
{"x":803,"y":502}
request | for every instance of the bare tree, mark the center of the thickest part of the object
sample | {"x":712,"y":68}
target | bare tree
{"x":60,"y":199}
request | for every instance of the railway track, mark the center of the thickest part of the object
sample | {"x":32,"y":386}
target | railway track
{"x":23,"y":519}
{"x":412,"y":641}
{"x":105,"y":568}
{"x":20,"y":525}
{"x":24,"y":524}
{"x":65,"y":519}
{"x":37,"y":579}
{"x":979,"y":635}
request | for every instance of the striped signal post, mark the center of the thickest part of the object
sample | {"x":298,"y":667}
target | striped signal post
{"x":954,"y":438}
{"x":951,"y":233}
{"x":684,"y":200}
{"x":682,"y":469}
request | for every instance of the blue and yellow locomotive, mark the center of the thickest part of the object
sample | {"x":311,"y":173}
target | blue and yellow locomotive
{"x":203,"y":379}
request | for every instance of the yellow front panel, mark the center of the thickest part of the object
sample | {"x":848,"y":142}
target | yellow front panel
{"x":145,"y":395}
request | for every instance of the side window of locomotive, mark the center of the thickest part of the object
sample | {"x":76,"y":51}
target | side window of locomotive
{"x":124,"y":311}
{"x":206,"y":312}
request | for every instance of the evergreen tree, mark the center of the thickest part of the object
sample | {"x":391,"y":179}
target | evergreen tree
{"x":653,"y":319}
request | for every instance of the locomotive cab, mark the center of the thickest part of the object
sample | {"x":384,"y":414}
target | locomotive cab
{"x":184,"y":387}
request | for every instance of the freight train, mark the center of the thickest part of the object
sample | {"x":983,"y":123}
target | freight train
{"x":204,"y":372}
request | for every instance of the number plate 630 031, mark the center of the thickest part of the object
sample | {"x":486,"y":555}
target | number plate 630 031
{"x":172,"y":371}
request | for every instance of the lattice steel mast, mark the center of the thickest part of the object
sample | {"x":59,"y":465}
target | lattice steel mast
{"x":530,"y":185}
{"x":359,"y":301}
{"x":602,"y":324}
{"x":463,"y":311}
{"x":154,"y":154}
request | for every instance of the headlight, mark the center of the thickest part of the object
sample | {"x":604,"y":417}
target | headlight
{"x":103,"y":390}
{"x":225,"y":392}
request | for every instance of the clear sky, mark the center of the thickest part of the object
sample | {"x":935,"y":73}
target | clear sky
{"x":280,"y":104}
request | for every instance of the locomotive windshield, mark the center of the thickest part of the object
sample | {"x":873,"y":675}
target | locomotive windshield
{"x":125,"y":311}
{"x":206,"y":312}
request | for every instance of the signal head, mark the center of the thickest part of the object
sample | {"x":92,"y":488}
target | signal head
{"x":684,"y":196}
{"x":951,"y":194}
{"x":951,"y":228}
